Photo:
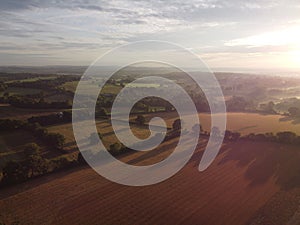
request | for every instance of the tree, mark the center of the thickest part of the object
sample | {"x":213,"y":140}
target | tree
{"x":56,"y":139}
{"x":102,"y":112}
{"x":286,"y":137}
{"x":14,"y":172}
{"x":215,"y":132}
{"x":80,"y":158}
{"x":169,"y":107}
{"x":260,"y":137}
{"x":3,"y":86}
{"x":140,"y":120}
{"x":31,"y":149}
{"x":271,"y":105}
{"x":232,"y":136}
{"x":6,"y":94}
{"x":294,"y":111}
{"x":235,"y":136}
{"x":37,"y":165}
{"x":94,"y":138}
{"x":41,"y":132}
{"x":236,"y":104}
{"x":176,"y":124}
{"x":61,"y":162}
{"x":115,"y":148}
{"x":197,"y":127}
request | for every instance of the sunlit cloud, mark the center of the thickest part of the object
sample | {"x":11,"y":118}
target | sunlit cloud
{"x":289,"y":36}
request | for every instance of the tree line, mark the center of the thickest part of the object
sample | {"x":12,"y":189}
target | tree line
{"x":47,"y":120}
{"x":33,"y":165}
{"x":44,"y":84}
{"x":27,"y":102}
{"x":55,"y":140}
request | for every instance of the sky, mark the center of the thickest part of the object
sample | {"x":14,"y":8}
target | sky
{"x":250,"y":34}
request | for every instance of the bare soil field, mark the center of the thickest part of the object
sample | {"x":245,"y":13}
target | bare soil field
{"x":240,"y":187}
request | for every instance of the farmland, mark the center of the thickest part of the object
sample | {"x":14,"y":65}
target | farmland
{"x":35,"y":78}
{"x":244,"y":123}
{"x":233,"y":190}
{"x":150,"y":112}
{"x":104,"y":127}
{"x":254,"y":179}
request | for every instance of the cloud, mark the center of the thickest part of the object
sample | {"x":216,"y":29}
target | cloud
{"x":288,"y":36}
{"x":82,"y":26}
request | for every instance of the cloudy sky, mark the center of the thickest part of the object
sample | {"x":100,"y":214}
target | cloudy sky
{"x":224,"y":33}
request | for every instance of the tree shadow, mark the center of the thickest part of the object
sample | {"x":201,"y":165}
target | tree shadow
{"x":265,"y":161}
{"x":169,"y":148}
{"x":292,"y":119}
{"x":11,"y":190}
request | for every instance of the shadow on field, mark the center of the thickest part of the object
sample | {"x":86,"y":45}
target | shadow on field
{"x":292,"y":119}
{"x":6,"y":192}
{"x":266,"y":160}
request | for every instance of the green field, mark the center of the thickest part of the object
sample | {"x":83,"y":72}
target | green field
{"x":90,"y":86}
{"x":143,"y":85}
{"x":34,"y":79}
{"x":70,"y":86}
{"x":108,"y":88}
{"x":58,"y":98}
{"x":21,"y":91}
